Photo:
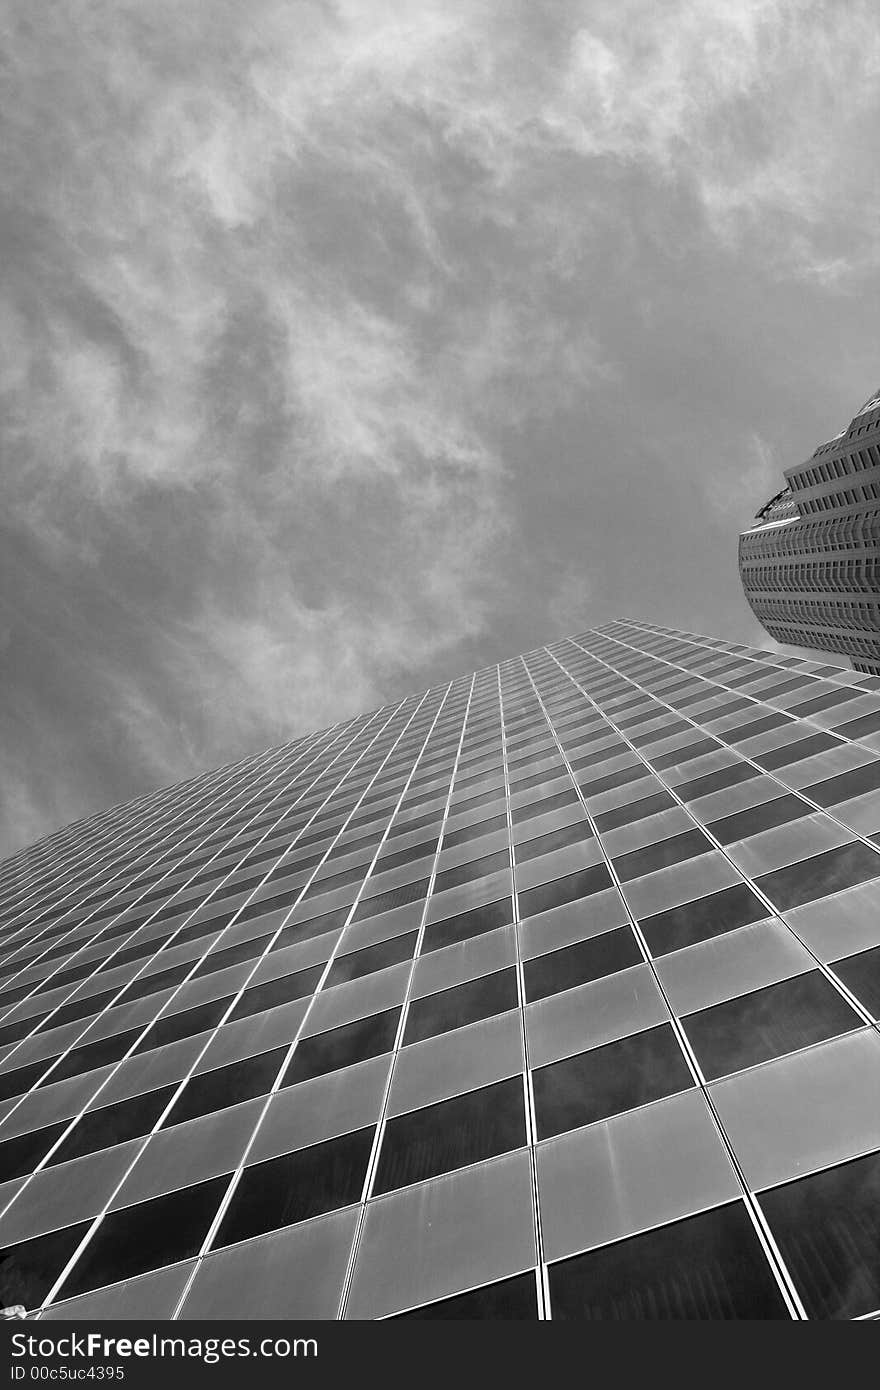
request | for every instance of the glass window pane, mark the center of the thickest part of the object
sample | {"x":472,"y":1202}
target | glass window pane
{"x":458,"y":1061}
{"x":811,"y":836}
{"x":232,"y":955}
{"x":452,"y":1134}
{"x":855,"y":782}
{"x":821,"y":875}
{"x":371,"y":958}
{"x":827,"y":1227}
{"x":31,"y":1267}
{"x":81,"y":1059}
{"x":465,"y":925}
{"x":610,"y":1079}
{"x":589,"y":1015}
{"x":572,"y":922}
{"x":299,"y":931}
{"x":840,"y":925}
{"x":610,"y":750}
{"x":463,"y":961}
{"x":701,"y":919}
{"x":339,"y":1047}
{"x":224,"y":1086}
{"x":337,"y":1103}
{"x":374,"y":994}
{"x":768,"y":1023}
{"x":295,"y":1186}
{"x":571,"y":834}
{"x":761,"y":724}
{"x":146,"y":1236}
{"x":860,"y":728}
{"x":463,"y":1004}
{"x":439,"y":1238}
{"x":739,"y":826}
{"x":680,"y":756}
{"x":730,"y":776}
{"x":113,"y":1124}
{"x":511,"y":1299}
{"x":171,"y":1027}
{"x":577,"y":964}
{"x":795,"y":752}
{"x":281,"y":990}
{"x":732,"y":964}
{"x":567,"y":797}
{"x":679,"y":883}
{"x":634,"y":811}
{"x":647,"y":831}
{"x":705,"y":1267}
{"x":661,"y":855}
{"x":861,"y":974}
{"x":804,"y":1111}
{"x":146,"y":1297}
{"x":475,"y":849}
{"x":597,"y":786}
{"x":471,"y":871}
{"x":564,"y":890}
{"x":396,"y":897}
{"x":636,"y":1170}
{"x":422,"y":850}
{"x":22,"y":1154}
{"x":297,"y":1272}
{"x":827,"y":700}
{"x":188,"y":1152}
{"x":467,"y":833}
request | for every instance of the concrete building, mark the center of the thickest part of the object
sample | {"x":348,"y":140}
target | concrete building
{"x":810,"y":565}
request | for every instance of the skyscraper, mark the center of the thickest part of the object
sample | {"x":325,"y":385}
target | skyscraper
{"x":810,"y":566}
{"x":550,"y":992}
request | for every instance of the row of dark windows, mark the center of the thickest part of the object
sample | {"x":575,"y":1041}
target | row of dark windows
{"x":837,"y":576}
{"x":789,"y":886}
{"x":709,"y":1265}
{"x":806,"y":538}
{"x":263,"y":906}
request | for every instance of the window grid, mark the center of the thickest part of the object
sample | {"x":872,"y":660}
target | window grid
{"x":780,"y":1273}
{"x":628,"y":713}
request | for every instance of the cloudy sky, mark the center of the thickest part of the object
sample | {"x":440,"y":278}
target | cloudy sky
{"x":346,"y":345}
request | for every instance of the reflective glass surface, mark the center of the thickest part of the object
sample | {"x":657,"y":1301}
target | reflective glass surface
{"x":370,"y":965}
{"x":619,"y":1076}
{"x":146,"y":1236}
{"x":600,"y":955}
{"x":707,"y":1267}
{"x":828,"y":1228}
{"x":701,"y":919}
{"x":463,"y":1004}
{"x":293,"y":1187}
{"x":509,"y":1300}
{"x":768,"y":1022}
{"x":339,"y":1047}
{"x":452,"y":1134}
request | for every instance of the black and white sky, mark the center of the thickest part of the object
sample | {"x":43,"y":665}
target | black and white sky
{"x":347,"y":345}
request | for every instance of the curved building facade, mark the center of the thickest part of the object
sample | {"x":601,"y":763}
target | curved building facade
{"x":810,"y":563}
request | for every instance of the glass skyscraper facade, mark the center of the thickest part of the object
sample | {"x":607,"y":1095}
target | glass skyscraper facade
{"x":810,"y":565}
{"x":548,"y":993}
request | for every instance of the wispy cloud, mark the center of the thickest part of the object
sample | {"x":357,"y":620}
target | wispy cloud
{"x":751,"y":476}
{"x":303,"y":305}
{"x":764,"y":109}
